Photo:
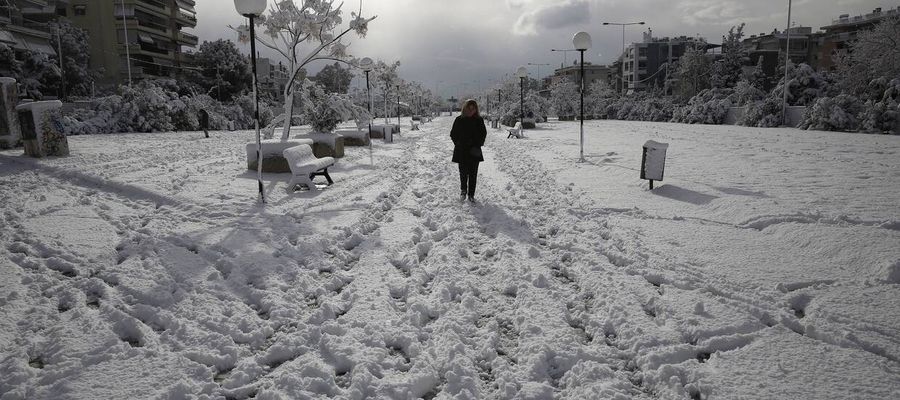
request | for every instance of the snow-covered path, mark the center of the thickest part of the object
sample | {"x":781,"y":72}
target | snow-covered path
{"x":139,"y":268}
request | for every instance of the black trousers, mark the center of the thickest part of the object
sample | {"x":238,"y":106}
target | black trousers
{"x":468,"y":177}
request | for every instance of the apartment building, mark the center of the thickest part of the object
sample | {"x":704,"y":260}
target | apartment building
{"x":140,"y":38}
{"x":271,"y":77}
{"x":836,"y":37}
{"x":24,"y":24}
{"x":572,"y":73}
{"x":651,"y":63}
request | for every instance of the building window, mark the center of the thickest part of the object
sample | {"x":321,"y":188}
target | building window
{"x":80,"y":10}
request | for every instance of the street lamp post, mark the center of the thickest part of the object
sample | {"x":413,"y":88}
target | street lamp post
{"x":582,"y":42}
{"x":565,"y":55}
{"x":398,"y":111}
{"x":366,"y":64}
{"x":252,"y":9}
{"x":538,"y":68}
{"x":522,"y":73}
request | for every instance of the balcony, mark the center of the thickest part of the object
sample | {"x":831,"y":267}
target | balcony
{"x":187,"y":39}
{"x":155,"y":5}
{"x":186,"y":19}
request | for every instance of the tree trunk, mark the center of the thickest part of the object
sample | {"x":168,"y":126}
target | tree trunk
{"x":288,"y":115}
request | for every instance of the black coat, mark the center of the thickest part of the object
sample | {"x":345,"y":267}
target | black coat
{"x":467,"y":133}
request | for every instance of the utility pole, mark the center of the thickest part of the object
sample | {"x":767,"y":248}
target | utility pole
{"x":127,"y":51}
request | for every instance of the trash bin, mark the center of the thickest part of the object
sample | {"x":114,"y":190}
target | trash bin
{"x":10,"y":134}
{"x":653,"y":162}
{"x":39,"y":136}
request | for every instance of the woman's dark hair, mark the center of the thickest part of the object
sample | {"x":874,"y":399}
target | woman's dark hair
{"x":466,"y":104}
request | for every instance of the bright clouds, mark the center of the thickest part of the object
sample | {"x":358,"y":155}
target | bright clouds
{"x":553,"y":16}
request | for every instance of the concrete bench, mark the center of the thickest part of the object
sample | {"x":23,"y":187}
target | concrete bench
{"x":516,"y":132}
{"x":273,"y":154}
{"x":305,"y":166}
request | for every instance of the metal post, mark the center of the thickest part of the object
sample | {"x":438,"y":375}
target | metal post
{"x":369,"y":104}
{"x":62,"y":74}
{"x":787,"y":62}
{"x":398,"y":111}
{"x":522,"y":101}
{"x":259,"y":158}
{"x":581,"y":157}
{"x":127,"y":51}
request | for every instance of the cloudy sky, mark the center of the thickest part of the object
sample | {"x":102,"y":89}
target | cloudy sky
{"x":458,"y":45}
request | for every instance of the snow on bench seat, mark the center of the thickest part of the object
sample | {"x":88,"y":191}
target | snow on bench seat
{"x":516,"y":132}
{"x":305,"y":166}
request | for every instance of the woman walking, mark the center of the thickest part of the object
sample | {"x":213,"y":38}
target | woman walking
{"x":468,"y":134}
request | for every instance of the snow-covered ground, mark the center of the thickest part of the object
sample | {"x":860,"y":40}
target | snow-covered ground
{"x":766,"y":265}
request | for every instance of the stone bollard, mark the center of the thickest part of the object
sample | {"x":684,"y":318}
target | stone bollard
{"x":39,"y":135}
{"x":10,"y":132}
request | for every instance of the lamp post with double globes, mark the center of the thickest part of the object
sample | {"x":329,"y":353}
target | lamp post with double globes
{"x":366,"y":64}
{"x":522,"y":73}
{"x":252,"y":9}
{"x":582,"y":42}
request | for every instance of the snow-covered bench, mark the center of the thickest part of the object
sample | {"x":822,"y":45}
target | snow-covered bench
{"x":414,"y":125}
{"x":516,"y":131}
{"x":305,"y":166}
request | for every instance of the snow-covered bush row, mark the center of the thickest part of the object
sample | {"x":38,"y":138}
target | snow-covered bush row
{"x":152,"y":106}
{"x":708,"y":107}
{"x":846,"y":112}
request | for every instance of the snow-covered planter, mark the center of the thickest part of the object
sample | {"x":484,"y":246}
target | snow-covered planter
{"x":325,"y":144}
{"x":273,"y":154}
{"x":837,"y":113}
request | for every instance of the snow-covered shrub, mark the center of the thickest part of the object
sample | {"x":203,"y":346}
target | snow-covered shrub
{"x":837,"y":113}
{"x":708,"y":107}
{"x":325,"y":111}
{"x":881,"y":113}
{"x":746,"y":92}
{"x":805,"y":85}
{"x":766,"y":113}
{"x":644,"y":107}
{"x":564,"y":99}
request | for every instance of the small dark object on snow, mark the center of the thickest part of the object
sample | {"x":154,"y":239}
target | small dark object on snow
{"x":204,"y":122}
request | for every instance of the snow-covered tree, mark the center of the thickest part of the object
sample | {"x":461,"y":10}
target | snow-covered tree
{"x":804,"y":85}
{"x":693,"y":71}
{"x":564,"y":99}
{"x":76,"y":57}
{"x":726,"y":72}
{"x":304,"y":31}
{"x":334,"y":78}
{"x":222,"y":69}
{"x":386,"y":79}
{"x":757,"y":77}
{"x":875,"y":54}
{"x":326,"y":110}
{"x":837,"y":113}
